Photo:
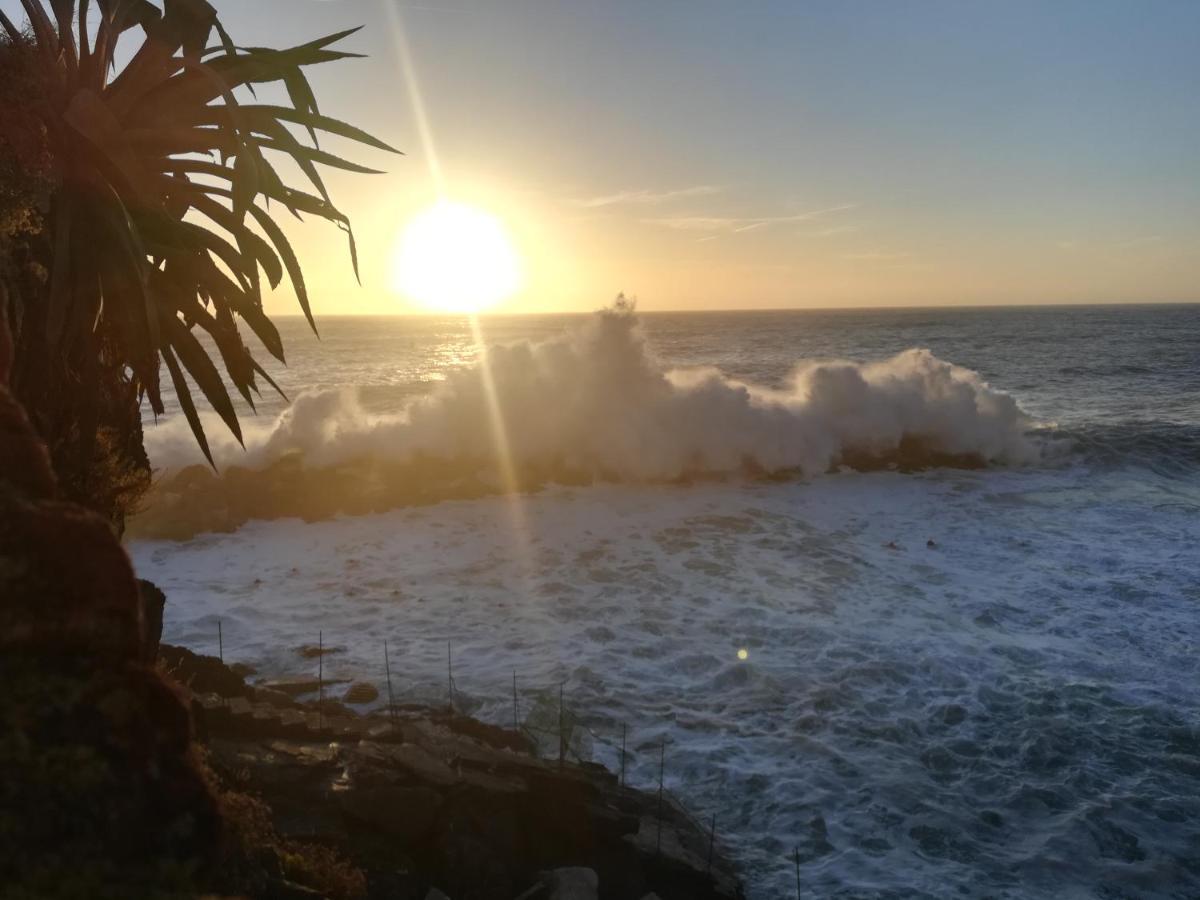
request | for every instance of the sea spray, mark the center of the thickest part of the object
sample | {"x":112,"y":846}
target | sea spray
{"x":595,"y":401}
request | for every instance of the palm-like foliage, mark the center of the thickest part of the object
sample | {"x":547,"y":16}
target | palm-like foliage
{"x":159,"y":224}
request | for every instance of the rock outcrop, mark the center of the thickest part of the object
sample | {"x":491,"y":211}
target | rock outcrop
{"x":423,"y":799}
{"x":101,"y":795}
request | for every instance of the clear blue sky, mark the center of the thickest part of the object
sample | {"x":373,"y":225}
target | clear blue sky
{"x":786,"y":153}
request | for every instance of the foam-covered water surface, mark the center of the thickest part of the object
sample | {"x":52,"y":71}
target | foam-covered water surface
{"x":1010,"y":712}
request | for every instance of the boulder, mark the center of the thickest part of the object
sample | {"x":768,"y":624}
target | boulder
{"x":202,"y":674}
{"x":361,"y":692}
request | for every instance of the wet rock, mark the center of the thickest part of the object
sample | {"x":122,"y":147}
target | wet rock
{"x":361,"y":692}
{"x":455,"y":802}
{"x":312,"y":651}
{"x":435,"y":894}
{"x":301,"y":685}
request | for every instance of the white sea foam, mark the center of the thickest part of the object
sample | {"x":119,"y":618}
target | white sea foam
{"x":1004,"y":714}
{"x":595,"y":400}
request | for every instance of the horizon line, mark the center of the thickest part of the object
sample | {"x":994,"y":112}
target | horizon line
{"x":432,"y":314}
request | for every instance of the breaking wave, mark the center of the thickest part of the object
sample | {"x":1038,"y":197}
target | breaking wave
{"x":595,"y":400}
{"x":594,"y":405}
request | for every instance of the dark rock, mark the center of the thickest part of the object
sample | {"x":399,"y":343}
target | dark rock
{"x":312,"y":651}
{"x":153,"y":602}
{"x":67,"y":586}
{"x":300,"y":685}
{"x":242,"y":670}
{"x":202,"y":674}
{"x":101,"y":794}
{"x":361,"y":692}
{"x":492,"y":735}
{"x":406,"y":814}
{"x":572,"y":884}
{"x":273,"y":698}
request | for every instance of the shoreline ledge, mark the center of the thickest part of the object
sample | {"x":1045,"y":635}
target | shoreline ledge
{"x":424,"y":800}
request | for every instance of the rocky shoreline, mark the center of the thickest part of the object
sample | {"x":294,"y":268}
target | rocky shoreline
{"x":428,"y":803}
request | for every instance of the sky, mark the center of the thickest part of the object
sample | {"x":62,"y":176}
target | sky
{"x":718,"y":155}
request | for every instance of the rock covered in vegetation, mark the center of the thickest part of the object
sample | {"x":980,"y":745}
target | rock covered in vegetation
{"x":101,"y":794}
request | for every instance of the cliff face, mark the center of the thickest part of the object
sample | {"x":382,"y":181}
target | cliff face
{"x":100,"y":793}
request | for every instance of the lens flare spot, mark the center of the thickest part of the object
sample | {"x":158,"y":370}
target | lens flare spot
{"x":743,"y":654}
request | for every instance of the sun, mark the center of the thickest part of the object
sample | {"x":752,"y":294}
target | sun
{"x":453,"y":257}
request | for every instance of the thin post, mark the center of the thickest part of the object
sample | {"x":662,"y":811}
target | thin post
{"x":562,"y":743}
{"x":516,"y":727}
{"x":449,"y":678}
{"x":220,"y":643}
{"x":623,"y":729}
{"x":796,"y":857}
{"x":712,"y":838}
{"x":662,"y":763}
{"x":387,"y":668}
{"x":320,"y":680}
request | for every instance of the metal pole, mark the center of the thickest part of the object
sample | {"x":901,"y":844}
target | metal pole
{"x":220,"y":643}
{"x":516,"y":727}
{"x":662,"y":762}
{"x":387,"y":667}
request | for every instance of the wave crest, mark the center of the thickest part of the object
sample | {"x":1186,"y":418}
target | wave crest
{"x":594,"y":404}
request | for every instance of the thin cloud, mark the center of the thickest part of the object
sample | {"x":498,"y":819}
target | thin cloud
{"x":832,"y":232}
{"x":649,"y":198}
{"x":740,"y":225}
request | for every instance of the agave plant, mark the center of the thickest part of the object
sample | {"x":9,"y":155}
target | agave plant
{"x":157,"y":223}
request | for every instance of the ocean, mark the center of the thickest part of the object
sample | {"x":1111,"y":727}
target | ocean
{"x":911,"y":594}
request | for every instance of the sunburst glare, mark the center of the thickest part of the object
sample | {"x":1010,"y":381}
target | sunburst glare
{"x":453,"y":257}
